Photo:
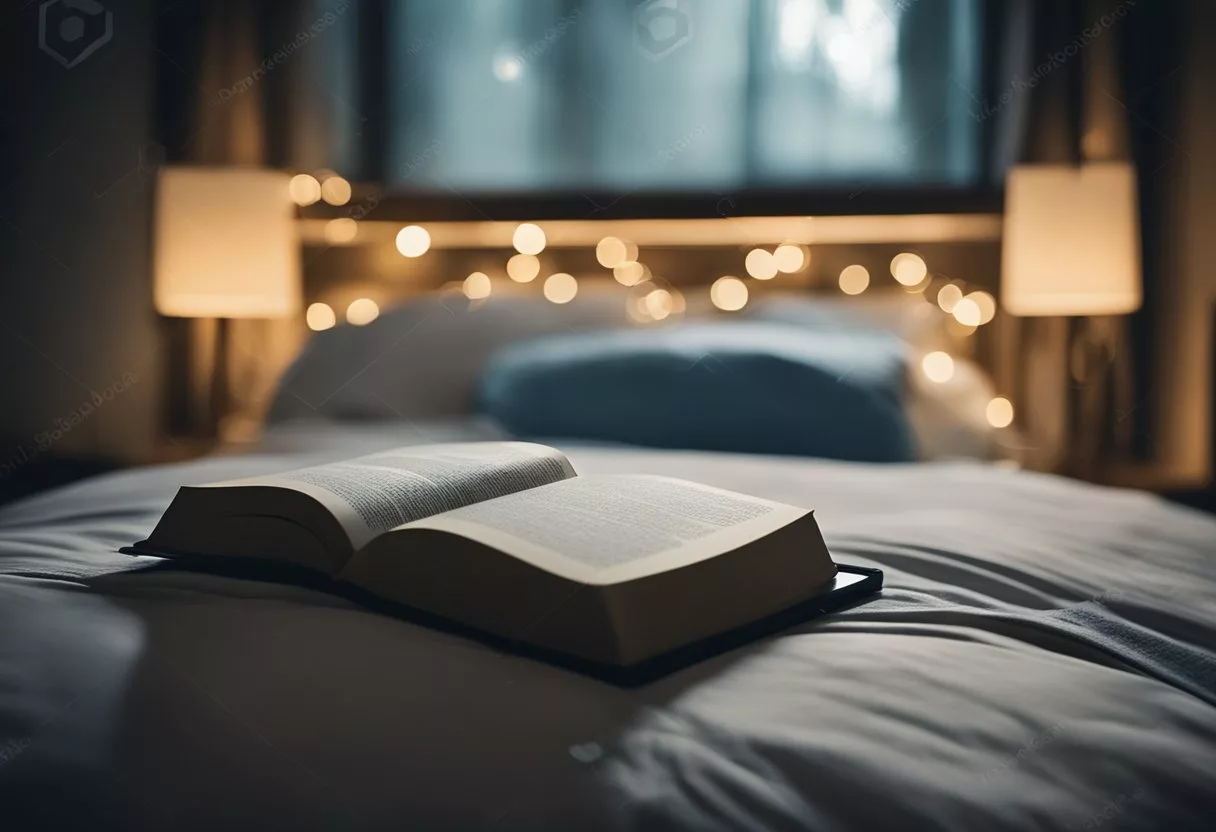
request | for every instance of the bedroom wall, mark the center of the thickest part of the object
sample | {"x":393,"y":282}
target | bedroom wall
{"x":75,"y":299}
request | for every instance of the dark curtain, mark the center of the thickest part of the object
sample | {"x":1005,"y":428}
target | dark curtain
{"x":262,"y":83}
{"x":1149,"y":60}
{"x":1103,"y":102}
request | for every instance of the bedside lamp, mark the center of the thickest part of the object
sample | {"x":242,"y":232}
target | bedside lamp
{"x":1071,"y":248}
{"x":226,"y":246}
{"x":1071,"y":240}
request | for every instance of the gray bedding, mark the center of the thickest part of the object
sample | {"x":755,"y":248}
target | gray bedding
{"x":1041,"y":659}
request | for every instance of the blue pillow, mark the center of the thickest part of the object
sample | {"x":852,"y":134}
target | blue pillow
{"x":745,"y":387}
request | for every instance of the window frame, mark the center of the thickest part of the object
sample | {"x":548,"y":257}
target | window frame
{"x":396,"y":202}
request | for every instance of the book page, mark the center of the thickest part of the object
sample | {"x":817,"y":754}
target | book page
{"x":372,"y":494}
{"x":606,"y":529}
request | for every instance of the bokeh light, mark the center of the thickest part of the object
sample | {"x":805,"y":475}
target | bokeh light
{"x":320,"y":316}
{"x":341,"y":230}
{"x":477,"y":286}
{"x":413,"y":241}
{"x":523,"y":268}
{"x":305,"y":189}
{"x":938,"y":367}
{"x":362,"y":312}
{"x":728,"y":293}
{"x":529,"y":238}
{"x":761,"y":264}
{"x":1000,"y":412}
{"x":854,"y":280}
{"x":560,"y":287}
{"x":335,"y":190}
{"x":909,"y":269}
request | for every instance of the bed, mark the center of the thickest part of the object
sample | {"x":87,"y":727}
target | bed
{"x":1041,"y":658}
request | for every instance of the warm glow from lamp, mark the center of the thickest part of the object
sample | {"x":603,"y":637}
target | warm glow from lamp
{"x":854,"y":280}
{"x":226,"y":244}
{"x":477,"y":286}
{"x":938,"y":367}
{"x":320,"y":316}
{"x":362,"y":312}
{"x":560,"y":287}
{"x":335,"y":190}
{"x":523,"y":268}
{"x":529,"y":238}
{"x":999,"y":412}
{"x":761,"y":264}
{"x":413,"y":241}
{"x":1071,"y":240}
{"x":728,"y":294}
{"x":305,"y":189}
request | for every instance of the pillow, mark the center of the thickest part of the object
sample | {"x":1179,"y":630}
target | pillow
{"x":740,"y":386}
{"x":421,"y":361}
{"x":908,"y":317}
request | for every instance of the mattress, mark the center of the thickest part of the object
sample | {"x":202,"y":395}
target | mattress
{"x":1041,"y":659}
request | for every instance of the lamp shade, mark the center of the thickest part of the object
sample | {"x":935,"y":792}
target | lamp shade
{"x":226,"y":244}
{"x":1071,"y":240}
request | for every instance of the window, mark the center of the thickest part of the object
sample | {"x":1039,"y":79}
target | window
{"x":503,"y":96}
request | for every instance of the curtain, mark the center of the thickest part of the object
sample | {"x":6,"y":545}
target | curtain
{"x":261,"y":83}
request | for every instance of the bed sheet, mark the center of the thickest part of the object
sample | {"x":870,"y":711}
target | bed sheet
{"x":1041,"y":658}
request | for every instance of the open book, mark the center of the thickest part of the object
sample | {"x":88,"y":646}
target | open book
{"x":504,"y":537}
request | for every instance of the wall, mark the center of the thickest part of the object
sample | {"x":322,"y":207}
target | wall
{"x":76,"y":322}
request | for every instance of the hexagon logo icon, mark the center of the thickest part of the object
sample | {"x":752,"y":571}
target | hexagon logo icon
{"x":72,"y":30}
{"x":660,"y":27}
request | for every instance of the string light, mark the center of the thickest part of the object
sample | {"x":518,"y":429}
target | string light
{"x":523,"y":268}
{"x":659,"y":304}
{"x":761,"y":264}
{"x":1000,"y":412}
{"x":908,"y":269}
{"x":335,"y":190}
{"x":938,"y":367}
{"x":629,"y":273}
{"x":986,"y":303}
{"x":341,"y":230}
{"x":948,"y":297}
{"x":854,"y":280}
{"x":610,"y":252}
{"x":362,"y":312}
{"x":560,"y":287}
{"x":789,"y":258}
{"x":320,"y":316}
{"x":529,"y":238}
{"x":413,"y":241}
{"x":728,"y":293}
{"x":304,"y":189}
{"x":477,"y":286}
{"x":967,"y":312}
